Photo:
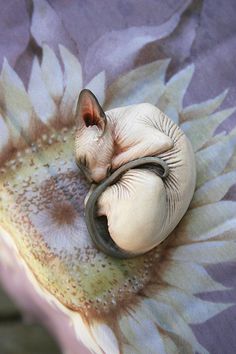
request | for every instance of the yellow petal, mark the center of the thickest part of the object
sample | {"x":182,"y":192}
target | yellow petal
{"x":43,"y":104}
{"x":212,"y":160}
{"x":51,"y":73}
{"x":213,"y":190}
{"x":97,"y":86}
{"x":201,"y":130}
{"x":202,"y":109}
{"x":144,"y":84}
{"x":175,"y":90}
{"x":73,"y":82}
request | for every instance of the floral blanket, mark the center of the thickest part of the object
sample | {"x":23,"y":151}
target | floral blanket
{"x":178,"y":55}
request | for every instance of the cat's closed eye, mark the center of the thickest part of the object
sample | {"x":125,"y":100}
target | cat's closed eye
{"x":82,"y":162}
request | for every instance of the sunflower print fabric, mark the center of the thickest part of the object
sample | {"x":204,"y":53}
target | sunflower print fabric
{"x":179,"y":297}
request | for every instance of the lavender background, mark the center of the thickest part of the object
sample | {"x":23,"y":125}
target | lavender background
{"x":205,"y":36}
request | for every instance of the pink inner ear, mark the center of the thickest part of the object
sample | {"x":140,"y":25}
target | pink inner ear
{"x":88,"y":119}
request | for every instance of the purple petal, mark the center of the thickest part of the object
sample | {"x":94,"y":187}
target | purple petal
{"x":48,"y":28}
{"x":14,"y":30}
{"x":116,"y":50}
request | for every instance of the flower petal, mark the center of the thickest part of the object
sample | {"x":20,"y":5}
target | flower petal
{"x":170,"y":346}
{"x":43,"y":104}
{"x":231,"y":165}
{"x":190,"y":277}
{"x":172,"y":113}
{"x":192,"y":309}
{"x":115,"y":50}
{"x":4,"y":133}
{"x":175,"y":90}
{"x":199,"y":131}
{"x":170,"y":321}
{"x":97,"y":86}
{"x":73,"y":82}
{"x":51,"y":73}
{"x":129,"y":349}
{"x":144,"y":84}
{"x":16,"y":101}
{"x":141,"y":333}
{"x":83,"y":333}
{"x":203,"y":109}
{"x":205,"y":252}
{"x":212,"y":160}
{"x":206,"y":222}
{"x":105,"y":338}
{"x":213,"y":190}
{"x":46,"y":27}
{"x":14,"y":29}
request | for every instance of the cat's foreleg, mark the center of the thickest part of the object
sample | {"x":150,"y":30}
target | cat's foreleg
{"x":153,"y":143}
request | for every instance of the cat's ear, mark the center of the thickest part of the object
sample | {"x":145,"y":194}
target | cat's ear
{"x":89,"y":112}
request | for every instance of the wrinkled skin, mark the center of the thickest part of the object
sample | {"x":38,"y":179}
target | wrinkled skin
{"x":141,"y":209}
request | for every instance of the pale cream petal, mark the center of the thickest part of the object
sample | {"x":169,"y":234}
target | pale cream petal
{"x":190,"y":277}
{"x":144,"y":84}
{"x":212,"y":160}
{"x":16,"y":101}
{"x":192,"y":309}
{"x":231,"y":165}
{"x":214,"y":190}
{"x":51,"y":73}
{"x":170,"y":346}
{"x":181,"y":344}
{"x":216,"y":138}
{"x":172,"y":113}
{"x":205,"y":252}
{"x":43,"y":104}
{"x":205,"y":222}
{"x":170,"y":321}
{"x":73,"y":82}
{"x":97,"y":86}
{"x":175,"y":89}
{"x":14,"y":130}
{"x":202,"y":109}
{"x":201,"y":130}
{"x":129,"y":349}
{"x":4,"y":133}
{"x":141,"y":332}
{"x":83,"y":333}
{"x":105,"y":338}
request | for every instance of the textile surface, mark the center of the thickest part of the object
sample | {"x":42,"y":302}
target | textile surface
{"x":177,"y":55}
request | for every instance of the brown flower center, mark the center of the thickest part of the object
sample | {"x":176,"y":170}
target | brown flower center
{"x":63,"y":213}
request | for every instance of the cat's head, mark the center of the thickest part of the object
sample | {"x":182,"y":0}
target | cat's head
{"x":93,"y":138}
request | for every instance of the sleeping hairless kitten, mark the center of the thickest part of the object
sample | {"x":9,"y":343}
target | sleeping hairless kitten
{"x":141,"y":208}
